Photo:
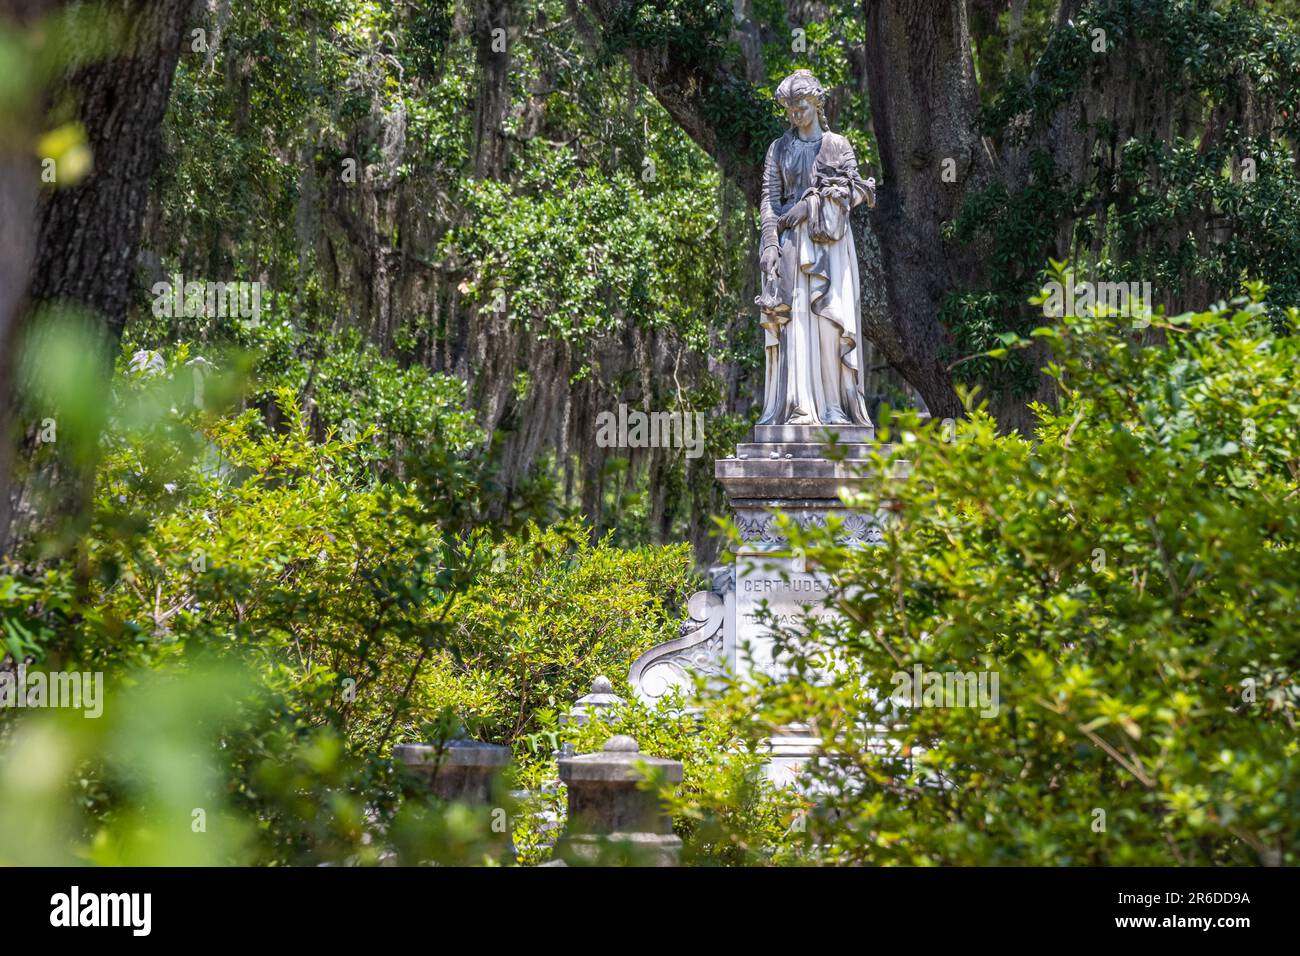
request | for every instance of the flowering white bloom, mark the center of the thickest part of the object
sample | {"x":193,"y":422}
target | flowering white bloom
{"x":148,"y":361}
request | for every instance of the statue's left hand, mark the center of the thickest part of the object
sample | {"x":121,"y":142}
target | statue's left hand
{"x":794,"y":215}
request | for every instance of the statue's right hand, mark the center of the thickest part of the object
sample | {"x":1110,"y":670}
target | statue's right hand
{"x":767,"y":259}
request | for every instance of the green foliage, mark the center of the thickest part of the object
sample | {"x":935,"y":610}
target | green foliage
{"x":575,"y":254}
{"x":1131,"y":578}
{"x":292,"y":617}
{"x":297,"y":553}
{"x":603,"y":219}
{"x":345,"y":384}
{"x":1209,"y":44}
{"x":1006,"y":52}
{"x":213,"y":765}
{"x":1021,"y":226}
{"x":556,"y":611}
{"x":695,"y":31}
{"x":428,"y":36}
{"x":1260,"y":212}
{"x":1192,"y":205}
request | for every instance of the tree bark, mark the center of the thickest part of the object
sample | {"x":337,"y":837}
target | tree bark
{"x":924,"y":102}
{"x":492,"y":25}
{"x":19,"y":185}
{"x":683,"y":89}
{"x":87,"y":235}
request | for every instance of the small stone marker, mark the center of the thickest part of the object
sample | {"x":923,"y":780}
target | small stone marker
{"x":601,"y":698}
{"x":607,"y":805}
{"x":461,"y":770}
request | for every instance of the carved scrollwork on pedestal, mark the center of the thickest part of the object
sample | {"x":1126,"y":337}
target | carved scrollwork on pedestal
{"x":723,"y":578}
{"x":699,"y":650}
{"x":760,"y":529}
{"x":860,"y":529}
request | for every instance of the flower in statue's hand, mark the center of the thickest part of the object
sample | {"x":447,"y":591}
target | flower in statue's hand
{"x":839,"y":173}
{"x":837,"y":192}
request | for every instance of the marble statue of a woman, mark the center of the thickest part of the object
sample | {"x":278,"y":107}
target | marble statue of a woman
{"x":809,"y":301}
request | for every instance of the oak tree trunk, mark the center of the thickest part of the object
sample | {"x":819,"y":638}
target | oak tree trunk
{"x":87,"y":235}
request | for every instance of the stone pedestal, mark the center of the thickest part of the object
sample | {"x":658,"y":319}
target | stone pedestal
{"x":608,"y":807}
{"x":462,"y":770}
{"x":797,"y":470}
{"x":467,"y":772}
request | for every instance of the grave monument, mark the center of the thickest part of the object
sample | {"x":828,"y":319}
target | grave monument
{"x":814,"y":434}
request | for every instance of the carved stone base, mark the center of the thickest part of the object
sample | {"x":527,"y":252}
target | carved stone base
{"x":814,"y":434}
{"x":787,"y":470}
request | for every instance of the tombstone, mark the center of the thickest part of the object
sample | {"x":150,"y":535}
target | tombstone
{"x":799,"y":471}
{"x":462,"y":770}
{"x":608,"y":806}
{"x":706,"y":644}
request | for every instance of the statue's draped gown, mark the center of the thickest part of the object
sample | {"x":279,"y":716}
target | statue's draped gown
{"x":811,"y":319}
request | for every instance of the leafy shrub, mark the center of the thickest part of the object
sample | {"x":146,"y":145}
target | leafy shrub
{"x":556,"y":611}
{"x":271,"y":618}
{"x":1131,"y":577}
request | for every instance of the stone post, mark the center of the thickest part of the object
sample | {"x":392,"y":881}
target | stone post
{"x":599,"y":703}
{"x":462,"y":770}
{"x":601,"y":698}
{"x":606,"y":805}
{"x":466,"y":772}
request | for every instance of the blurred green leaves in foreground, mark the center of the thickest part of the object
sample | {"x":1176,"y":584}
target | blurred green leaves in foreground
{"x":275,"y":602}
{"x":205,"y":767}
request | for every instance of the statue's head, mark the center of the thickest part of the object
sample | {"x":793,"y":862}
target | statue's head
{"x":801,"y":96}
